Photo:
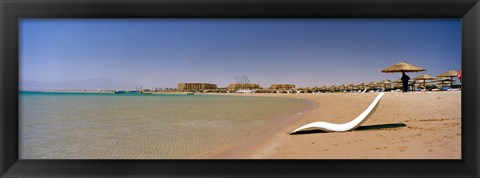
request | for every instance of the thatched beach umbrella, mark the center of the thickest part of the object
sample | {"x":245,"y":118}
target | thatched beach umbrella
{"x":403,"y":67}
{"x":361,"y":85}
{"x":385,"y":82}
{"x":397,"y":83}
{"x":423,"y":77}
{"x":372,"y":84}
{"x":351,"y":86}
{"x":451,"y":74}
{"x":333,"y":88}
{"x":308,"y":88}
{"x":442,"y":80}
{"x":399,"y":80}
{"x":328,"y":88}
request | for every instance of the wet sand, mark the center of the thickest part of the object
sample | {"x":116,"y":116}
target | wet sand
{"x":432,"y":129}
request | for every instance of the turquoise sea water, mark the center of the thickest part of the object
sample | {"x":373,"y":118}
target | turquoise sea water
{"x":123,"y":126}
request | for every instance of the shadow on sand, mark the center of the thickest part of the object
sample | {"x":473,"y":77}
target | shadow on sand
{"x":361,"y":128}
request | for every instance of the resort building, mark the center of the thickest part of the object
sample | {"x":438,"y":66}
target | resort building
{"x":282,"y":86}
{"x":242,"y":86}
{"x":196,"y":87}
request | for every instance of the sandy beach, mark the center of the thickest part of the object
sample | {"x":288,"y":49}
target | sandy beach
{"x":432,"y":129}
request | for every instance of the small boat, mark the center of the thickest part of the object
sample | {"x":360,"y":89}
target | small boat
{"x":134,"y":92}
{"x":119,"y":92}
{"x":190,"y":93}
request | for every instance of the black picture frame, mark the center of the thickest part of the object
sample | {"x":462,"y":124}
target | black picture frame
{"x":12,"y":10}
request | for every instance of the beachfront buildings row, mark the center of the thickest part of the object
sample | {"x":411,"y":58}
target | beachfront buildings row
{"x":282,"y":86}
{"x":242,"y":86}
{"x":184,"y":87}
{"x":234,"y":87}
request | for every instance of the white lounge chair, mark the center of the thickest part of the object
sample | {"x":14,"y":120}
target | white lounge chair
{"x":330,"y":127}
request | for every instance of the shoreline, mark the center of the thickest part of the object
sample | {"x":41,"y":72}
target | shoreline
{"x":433,"y":134}
{"x":251,"y":144}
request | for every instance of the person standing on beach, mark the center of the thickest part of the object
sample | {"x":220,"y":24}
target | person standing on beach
{"x":405,"y":79}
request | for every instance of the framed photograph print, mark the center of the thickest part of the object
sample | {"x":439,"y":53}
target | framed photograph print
{"x":239,"y":88}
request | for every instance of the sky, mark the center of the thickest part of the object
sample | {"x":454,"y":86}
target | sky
{"x":124,"y":53}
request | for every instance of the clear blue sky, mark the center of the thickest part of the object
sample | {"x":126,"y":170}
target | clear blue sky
{"x":108,"y":53}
